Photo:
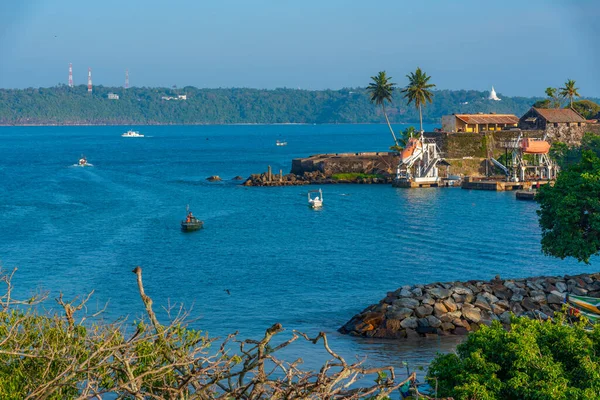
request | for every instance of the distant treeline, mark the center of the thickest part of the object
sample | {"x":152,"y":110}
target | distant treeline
{"x":140,"y":105}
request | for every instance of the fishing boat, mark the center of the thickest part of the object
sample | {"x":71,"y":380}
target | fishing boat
{"x":132,"y":134}
{"x":280,"y":143}
{"x":315,"y":198}
{"x":191,"y":223}
{"x":83,"y":162}
{"x":585,"y":306}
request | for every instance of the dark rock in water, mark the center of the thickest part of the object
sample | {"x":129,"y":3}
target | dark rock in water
{"x":238,"y":178}
{"x":214,"y":178}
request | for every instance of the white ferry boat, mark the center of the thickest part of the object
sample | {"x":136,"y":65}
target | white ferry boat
{"x":132,"y":134}
{"x":315,"y":201}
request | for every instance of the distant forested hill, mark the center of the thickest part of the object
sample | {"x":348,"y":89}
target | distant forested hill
{"x":69,"y":106}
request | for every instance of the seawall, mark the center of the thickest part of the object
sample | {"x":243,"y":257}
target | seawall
{"x":455,"y":308}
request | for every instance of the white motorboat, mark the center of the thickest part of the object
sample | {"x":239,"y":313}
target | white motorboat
{"x":280,"y":143}
{"x":83,"y":162}
{"x":315,"y":198}
{"x":132,"y":134}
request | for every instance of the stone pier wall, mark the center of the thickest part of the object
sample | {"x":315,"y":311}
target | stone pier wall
{"x":455,"y":308}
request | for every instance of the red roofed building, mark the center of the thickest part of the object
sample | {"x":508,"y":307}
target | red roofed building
{"x":478,"y":122}
{"x":559,"y":124}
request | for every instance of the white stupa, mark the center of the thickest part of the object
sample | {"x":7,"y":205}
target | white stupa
{"x":493,"y":95}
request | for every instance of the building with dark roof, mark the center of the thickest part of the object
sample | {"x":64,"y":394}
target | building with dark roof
{"x":559,"y":124}
{"x":478,"y":122}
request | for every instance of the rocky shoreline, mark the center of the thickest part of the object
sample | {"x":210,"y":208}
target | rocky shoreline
{"x":455,"y":308}
{"x":308,"y":178}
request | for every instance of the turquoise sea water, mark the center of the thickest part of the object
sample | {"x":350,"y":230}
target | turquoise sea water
{"x":74,"y":229}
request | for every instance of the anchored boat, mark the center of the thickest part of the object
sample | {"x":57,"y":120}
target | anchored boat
{"x":191,"y":223}
{"x":315,"y":198}
{"x":280,"y":143}
{"x":132,"y":134}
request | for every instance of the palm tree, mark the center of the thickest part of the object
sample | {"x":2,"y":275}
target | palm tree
{"x":569,"y":91}
{"x":418,"y":92}
{"x":381,"y":90}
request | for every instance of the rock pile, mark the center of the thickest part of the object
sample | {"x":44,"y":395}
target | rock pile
{"x":459,"y":307}
{"x":307,"y":178}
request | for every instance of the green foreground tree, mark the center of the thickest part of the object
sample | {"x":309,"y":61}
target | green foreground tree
{"x":569,"y":91}
{"x":418,"y":91}
{"x":381,"y":90}
{"x":587,"y":108}
{"x":54,"y":356}
{"x":569,"y":213}
{"x":535,"y":360}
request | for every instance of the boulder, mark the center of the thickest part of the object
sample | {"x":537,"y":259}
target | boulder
{"x":213,"y":178}
{"x":427,"y":300}
{"x":449,"y":304}
{"x":491,"y":299}
{"x":440,"y":293}
{"x":409,"y":323}
{"x":555,"y":297}
{"x":579,"y":291}
{"x":529,"y":304}
{"x":423,"y":311}
{"x":482,"y":303}
{"x":439,"y":309}
{"x":399,"y":313}
{"x":237,"y":178}
{"x":405,"y":293}
{"x":406,"y":302}
{"x":561,"y":287}
{"x":471,"y":313}
{"x":433,"y":321}
{"x":447,"y":326}
{"x":417,"y":292}
{"x":462,"y":290}
{"x":499,"y":308}
{"x":516,"y":297}
{"x":505,"y":318}
{"x":538,"y":296}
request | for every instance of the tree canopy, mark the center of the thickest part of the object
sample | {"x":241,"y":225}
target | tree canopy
{"x":569,"y":91}
{"x":536,"y":359}
{"x":64,"y":105}
{"x":569,"y":213}
{"x":418,"y":91}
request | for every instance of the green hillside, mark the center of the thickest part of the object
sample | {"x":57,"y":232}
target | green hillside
{"x":64,"y":105}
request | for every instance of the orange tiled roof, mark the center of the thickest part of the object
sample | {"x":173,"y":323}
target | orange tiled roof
{"x":559,"y":114}
{"x":488,"y":118}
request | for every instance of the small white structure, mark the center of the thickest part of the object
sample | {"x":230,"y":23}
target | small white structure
{"x":113,"y":96}
{"x":418,"y":166}
{"x":316,"y":201}
{"x":132,"y":134}
{"x":493,"y":95}
{"x":182,"y":97}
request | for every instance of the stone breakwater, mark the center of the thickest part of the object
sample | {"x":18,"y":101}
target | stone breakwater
{"x":308,"y":178}
{"x":455,"y":308}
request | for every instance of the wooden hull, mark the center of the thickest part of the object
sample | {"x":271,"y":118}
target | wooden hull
{"x":191,"y":226}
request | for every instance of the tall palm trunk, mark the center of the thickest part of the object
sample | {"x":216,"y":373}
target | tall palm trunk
{"x":389,"y":126}
{"x":421,"y":118}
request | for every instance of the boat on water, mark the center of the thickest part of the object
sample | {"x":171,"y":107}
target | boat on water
{"x":191,"y":223}
{"x":280,"y":143}
{"x":315,"y":198}
{"x":83,"y":162}
{"x":132,"y":134}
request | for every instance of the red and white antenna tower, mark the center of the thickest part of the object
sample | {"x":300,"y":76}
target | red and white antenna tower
{"x":89,"y":80}
{"x":126,"y":79}
{"x":70,"y":75}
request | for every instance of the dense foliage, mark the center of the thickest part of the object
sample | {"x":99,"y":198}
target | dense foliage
{"x":46,"y":355}
{"x":64,"y":105}
{"x":569,"y":213}
{"x":536,"y":359}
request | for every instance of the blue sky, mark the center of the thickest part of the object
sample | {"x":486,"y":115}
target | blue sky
{"x":521,"y":47}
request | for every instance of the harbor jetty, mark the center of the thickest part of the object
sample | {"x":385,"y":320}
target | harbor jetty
{"x":362,"y":168}
{"x":456,"y":308}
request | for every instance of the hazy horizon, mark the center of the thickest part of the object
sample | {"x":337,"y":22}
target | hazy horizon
{"x":518,"y":47}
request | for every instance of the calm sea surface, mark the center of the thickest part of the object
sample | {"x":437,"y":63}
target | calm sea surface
{"x":76,"y":229}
